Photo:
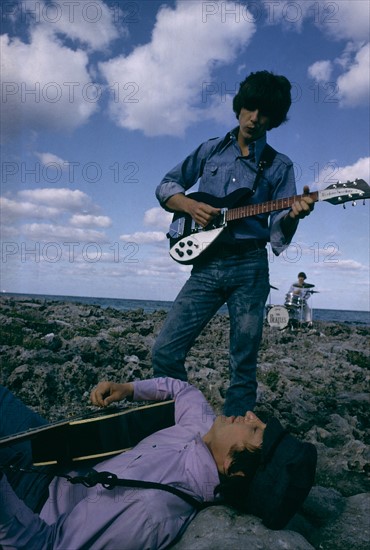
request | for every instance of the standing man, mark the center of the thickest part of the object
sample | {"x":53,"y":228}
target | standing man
{"x":237,"y":271}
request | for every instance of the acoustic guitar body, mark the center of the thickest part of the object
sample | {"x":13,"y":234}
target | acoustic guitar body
{"x":94,"y":436}
{"x":100,"y":436}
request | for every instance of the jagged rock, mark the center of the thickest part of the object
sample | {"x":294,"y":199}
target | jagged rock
{"x":328,"y":521}
{"x":331,"y":522}
{"x":350,"y":530}
{"x":220,"y":527}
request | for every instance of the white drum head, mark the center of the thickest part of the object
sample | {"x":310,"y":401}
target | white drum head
{"x":278,"y":317}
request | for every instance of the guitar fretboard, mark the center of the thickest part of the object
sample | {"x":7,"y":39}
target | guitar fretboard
{"x":266,"y":207}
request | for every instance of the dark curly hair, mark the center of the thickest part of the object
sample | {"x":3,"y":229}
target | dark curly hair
{"x":267,"y":92}
{"x":233,"y":488}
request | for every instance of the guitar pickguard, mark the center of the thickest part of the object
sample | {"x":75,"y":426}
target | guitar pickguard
{"x":187,"y":249}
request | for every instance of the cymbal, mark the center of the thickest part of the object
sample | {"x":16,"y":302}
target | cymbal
{"x":305,"y":285}
{"x":274,"y":287}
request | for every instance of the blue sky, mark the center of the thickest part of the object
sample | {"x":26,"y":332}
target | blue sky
{"x":101,"y":99}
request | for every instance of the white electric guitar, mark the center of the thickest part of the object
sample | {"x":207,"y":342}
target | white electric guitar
{"x":189,"y":240}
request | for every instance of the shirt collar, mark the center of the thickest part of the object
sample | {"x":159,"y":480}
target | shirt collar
{"x":202,"y":469}
{"x":256,"y":147}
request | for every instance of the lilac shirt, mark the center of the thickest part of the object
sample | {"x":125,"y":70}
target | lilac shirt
{"x":75,"y":517}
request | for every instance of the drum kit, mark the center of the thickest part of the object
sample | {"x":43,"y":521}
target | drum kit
{"x":291,"y":314}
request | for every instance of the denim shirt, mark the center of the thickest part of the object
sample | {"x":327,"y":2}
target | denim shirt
{"x":220,"y":168}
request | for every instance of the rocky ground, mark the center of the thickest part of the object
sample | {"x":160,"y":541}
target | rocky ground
{"x":315,"y":381}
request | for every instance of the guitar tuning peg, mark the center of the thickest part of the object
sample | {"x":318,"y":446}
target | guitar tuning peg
{"x":353,"y":203}
{"x":344,"y":206}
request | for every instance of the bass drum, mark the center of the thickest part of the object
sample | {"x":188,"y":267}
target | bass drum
{"x":278,"y":317}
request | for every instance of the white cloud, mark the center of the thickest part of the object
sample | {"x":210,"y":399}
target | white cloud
{"x":53,"y":232}
{"x":339,"y":21}
{"x":358,"y":170}
{"x":144,"y":237}
{"x":86,"y":220}
{"x":157,"y":217}
{"x":342,"y":20}
{"x":354,"y":84}
{"x":64,"y":198}
{"x":90,"y":23}
{"x":320,"y":71}
{"x":12,"y":210}
{"x":347,"y":265}
{"x":21,"y":215}
{"x":45,"y":85}
{"x":154,"y":217}
{"x":160,"y":83}
{"x":48,"y":159}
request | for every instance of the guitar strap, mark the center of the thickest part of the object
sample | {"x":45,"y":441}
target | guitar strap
{"x":109,"y":481}
{"x":267,"y":158}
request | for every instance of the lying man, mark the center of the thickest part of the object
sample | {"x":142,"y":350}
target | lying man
{"x":241,"y":461}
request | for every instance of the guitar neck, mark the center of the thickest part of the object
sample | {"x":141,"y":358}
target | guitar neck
{"x":266,"y":207}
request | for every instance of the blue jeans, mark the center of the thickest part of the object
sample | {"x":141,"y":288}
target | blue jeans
{"x":242,"y":281}
{"x":16,"y":417}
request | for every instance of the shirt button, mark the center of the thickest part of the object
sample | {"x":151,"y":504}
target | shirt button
{"x":234,"y":179}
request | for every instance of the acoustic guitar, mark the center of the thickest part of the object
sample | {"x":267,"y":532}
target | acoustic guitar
{"x":189,"y":240}
{"x":93,"y":437}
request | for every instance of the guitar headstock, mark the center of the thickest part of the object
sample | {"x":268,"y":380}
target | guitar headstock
{"x":341,"y":192}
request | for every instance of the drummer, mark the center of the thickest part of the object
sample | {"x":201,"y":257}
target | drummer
{"x":302,"y":291}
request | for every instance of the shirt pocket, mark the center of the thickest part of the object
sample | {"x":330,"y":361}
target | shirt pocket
{"x":210,"y":180}
{"x":210,"y":170}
